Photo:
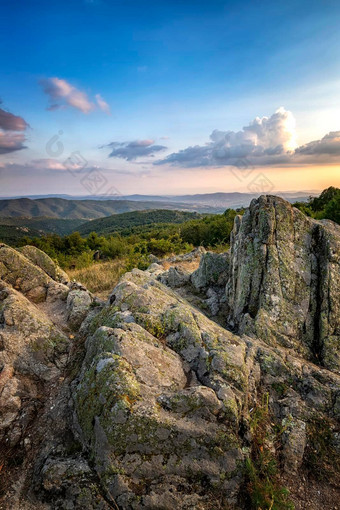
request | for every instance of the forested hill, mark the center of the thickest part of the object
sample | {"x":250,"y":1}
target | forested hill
{"x":125,"y":222}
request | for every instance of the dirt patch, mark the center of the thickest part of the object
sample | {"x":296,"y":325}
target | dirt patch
{"x":309,"y":494}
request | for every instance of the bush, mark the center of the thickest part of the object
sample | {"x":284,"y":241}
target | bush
{"x":113,"y":247}
{"x":326,"y":206}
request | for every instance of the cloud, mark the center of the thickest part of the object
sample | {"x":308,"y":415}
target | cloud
{"x":44,"y":167}
{"x":11,"y":142}
{"x":62,"y":95}
{"x":48,"y":164}
{"x":133,"y":150}
{"x":266,"y":140}
{"x":10,"y":122}
{"x":328,"y":145}
{"x":11,"y":137}
{"x":102,"y":104}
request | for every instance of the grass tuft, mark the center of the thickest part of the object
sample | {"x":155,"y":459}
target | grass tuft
{"x":101,"y":277}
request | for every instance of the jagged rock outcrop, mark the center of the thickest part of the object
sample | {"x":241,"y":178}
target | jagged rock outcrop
{"x":285,"y":279}
{"x":175,"y":277}
{"x":143,"y":402}
{"x":163,"y":392}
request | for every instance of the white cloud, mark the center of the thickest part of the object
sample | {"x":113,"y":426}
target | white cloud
{"x":265,"y":140}
{"x":329,"y":144}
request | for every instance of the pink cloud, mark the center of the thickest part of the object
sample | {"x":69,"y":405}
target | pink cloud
{"x":10,"y":122}
{"x":10,"y":142}
{"x":53,"y":164}
{"x":62,"y":95}
{"x":102,"y":104}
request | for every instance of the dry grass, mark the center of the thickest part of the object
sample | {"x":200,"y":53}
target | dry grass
{"x":99,"y":278}
{"x":186,"y":265}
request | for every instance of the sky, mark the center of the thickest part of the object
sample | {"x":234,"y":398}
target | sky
{"x":170,"y":97}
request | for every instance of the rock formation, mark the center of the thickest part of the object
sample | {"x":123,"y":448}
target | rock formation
{"x":143,"y":402}
{"x":285,"y":279}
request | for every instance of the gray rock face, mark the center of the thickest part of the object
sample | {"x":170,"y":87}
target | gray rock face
{"x":285,"y":279}
{"x":159,"y":399}
{"x":23,"y":275}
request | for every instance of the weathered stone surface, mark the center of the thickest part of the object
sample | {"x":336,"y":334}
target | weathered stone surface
{"x":71,"y":484}
{"x":212,"y":271}
{"x":151,"y":434}
{"x":78,"y":306}
{"x":40,"y":259}
{"x":23,"y":274}
{"x":285,"y":279}
{"x":32,"y":353}
{"x":175,"y":277}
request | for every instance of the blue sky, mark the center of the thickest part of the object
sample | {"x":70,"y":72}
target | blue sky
{"x":171,"y":72}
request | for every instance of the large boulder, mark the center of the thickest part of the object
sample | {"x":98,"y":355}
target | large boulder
{"x":23,"y":275}
{"x":33,"y":351}
{"x":42,"y":260}
{"x":164,"y":397}
{"x":78,"y":305}
{"x":212,"y":271}
{"x":285,"y":279}
{"x":159,"y":400}
{"x":175,"y":277}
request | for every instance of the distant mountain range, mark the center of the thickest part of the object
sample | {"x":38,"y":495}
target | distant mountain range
{"x":70,"y":207}
{"x":85,"y":209}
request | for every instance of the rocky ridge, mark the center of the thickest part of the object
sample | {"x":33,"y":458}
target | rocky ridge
{"x":157,"y":399}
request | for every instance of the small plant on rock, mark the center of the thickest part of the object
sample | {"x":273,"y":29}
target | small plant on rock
{"x":263,"y":485}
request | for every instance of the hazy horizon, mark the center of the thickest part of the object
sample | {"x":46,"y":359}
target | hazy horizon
{"x":163,"y":195}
